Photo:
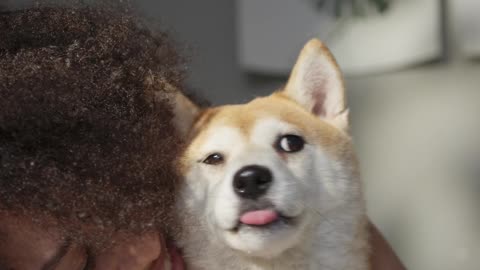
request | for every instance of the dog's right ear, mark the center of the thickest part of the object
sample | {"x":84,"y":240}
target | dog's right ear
{"x":185,"y":112}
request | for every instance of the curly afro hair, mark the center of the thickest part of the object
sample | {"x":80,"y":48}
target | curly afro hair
{"x":85,"y":136}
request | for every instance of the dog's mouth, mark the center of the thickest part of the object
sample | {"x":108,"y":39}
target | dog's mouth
{"x":263,"y":219}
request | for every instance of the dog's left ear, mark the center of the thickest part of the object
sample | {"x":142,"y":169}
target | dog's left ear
{"x":316,"y":83}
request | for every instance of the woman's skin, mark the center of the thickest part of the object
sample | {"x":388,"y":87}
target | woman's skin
{"x":383,"y":257}
{"x":23,"y":246}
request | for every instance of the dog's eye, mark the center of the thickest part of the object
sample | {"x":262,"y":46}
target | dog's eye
{"x":290,"y":143}
{"x":213,"y":159}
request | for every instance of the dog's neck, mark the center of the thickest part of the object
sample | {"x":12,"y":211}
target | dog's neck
{"x":325,"y":246}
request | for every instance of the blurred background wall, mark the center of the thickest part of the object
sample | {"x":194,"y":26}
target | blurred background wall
{"x":416,"y":127}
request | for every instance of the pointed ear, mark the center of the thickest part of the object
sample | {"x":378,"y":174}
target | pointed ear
{"x":316,"y":83}
{"x":184,"y":110}
{"x":185,"y":113}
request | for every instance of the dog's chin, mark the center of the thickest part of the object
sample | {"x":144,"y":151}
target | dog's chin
{"x":267,"y":241}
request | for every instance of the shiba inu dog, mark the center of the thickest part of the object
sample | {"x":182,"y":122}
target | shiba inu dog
{"x":274,"y":183}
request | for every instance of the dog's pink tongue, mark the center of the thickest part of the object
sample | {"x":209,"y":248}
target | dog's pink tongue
{"x":260,"y":217}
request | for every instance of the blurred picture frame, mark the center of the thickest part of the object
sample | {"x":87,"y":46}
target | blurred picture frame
{"x":270,"y":33}
{"x":466,"y":26}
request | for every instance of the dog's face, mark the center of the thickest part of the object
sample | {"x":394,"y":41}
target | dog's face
{"x":260,"y":174}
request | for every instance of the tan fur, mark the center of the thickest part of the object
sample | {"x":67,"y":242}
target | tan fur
{"x":335,"y":240}
{"x":280,"y":105}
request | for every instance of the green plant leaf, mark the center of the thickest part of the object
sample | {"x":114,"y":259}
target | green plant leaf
{"x":357,"y":7}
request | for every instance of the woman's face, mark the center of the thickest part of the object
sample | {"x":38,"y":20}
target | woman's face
{"x":24,"y":246}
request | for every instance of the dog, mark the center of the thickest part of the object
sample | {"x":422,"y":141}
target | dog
{"x":274,"y":183}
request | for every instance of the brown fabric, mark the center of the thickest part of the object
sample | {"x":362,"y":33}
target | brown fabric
{"x":81,"y":137}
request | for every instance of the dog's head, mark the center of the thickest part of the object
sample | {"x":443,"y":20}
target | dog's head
{"x":260,"y":174}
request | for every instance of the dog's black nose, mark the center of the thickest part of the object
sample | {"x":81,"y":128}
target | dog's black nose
{"x":252,"y":181}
